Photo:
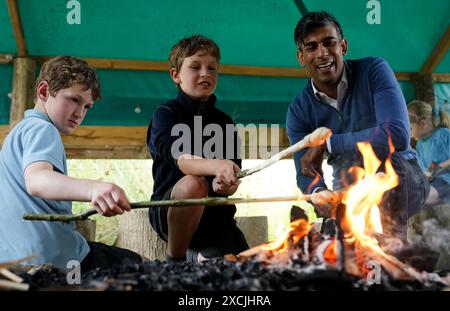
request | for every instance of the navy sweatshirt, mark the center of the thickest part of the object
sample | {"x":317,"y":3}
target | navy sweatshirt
{"x":186,"y":113}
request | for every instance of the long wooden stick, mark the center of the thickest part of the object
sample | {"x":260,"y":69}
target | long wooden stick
{"x":11,"y":276}
{"x":10,"y":285}
{"x":172,"y":203}
{"x":12,"y":263}
{"x":316,"y":138}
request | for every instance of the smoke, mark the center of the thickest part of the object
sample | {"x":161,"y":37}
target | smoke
{"x":437,"y":238}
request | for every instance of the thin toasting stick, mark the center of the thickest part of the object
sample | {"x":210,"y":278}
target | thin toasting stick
{"x":316,"y":138}
{"x":210,"y":201}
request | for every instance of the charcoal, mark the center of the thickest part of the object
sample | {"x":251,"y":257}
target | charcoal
{"x":298,"y":213}
{"x":328,"y":229}
{"x":214,"y":275}
{"x":44,"y":276}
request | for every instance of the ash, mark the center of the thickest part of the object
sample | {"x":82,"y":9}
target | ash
{"x":214,"y":275}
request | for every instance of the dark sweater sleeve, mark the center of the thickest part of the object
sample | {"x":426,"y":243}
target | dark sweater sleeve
{"x":297,"y":129}
{"x":161,"y":140}
{"x":390,"y":112}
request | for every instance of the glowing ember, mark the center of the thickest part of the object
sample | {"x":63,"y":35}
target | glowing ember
{"x":353,"y":245}
{"x":291,"y":236}
{"x":330,"y":253}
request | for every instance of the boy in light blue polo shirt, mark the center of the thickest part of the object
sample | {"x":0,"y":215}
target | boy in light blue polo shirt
{"x":33,"y":175}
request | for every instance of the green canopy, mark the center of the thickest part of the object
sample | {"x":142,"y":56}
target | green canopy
{"x":249,"y":33}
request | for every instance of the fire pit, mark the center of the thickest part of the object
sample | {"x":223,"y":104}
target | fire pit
{"x":348,"y":251}
{"x":221,"y":275}
{"x":351,"y":241}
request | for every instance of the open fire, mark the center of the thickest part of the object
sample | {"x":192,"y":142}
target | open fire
{"x":351,"y":240}
{"x":349,"y":251}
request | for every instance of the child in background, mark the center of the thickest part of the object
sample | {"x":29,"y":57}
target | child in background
{"x":431,"y":130}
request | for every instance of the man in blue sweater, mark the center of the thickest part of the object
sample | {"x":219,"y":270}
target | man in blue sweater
{"x":359,"y":100}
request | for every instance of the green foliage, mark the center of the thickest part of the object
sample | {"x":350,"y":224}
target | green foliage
{"x":134,"y":176}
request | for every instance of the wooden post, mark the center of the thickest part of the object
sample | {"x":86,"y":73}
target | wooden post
{"x":23,"y":88}
{"x":424,"y":88}
{"x":87,"y":229}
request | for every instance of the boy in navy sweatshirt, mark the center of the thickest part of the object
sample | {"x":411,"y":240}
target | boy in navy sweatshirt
{"x":195,"y":149}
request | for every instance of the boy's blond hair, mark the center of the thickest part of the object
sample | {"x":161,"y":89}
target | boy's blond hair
{"x":64,"y":71}
{"x":189,"y":46}
{"x":423,"y":110}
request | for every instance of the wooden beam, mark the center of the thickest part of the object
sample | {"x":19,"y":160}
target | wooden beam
{"x":405,"y":76}
{"x":107,"y":152}
{"x":23,"y":87}
{"x":129,"y":142}
{"x":264,"y":71}
{"x":6,"y":58}
{"x":437,"y":54}
{"x":17,"y":27}
{"x":301,"y":7}
{"x":119,"y":64}
{"x":123,"y":64}
{"x":442,"y":77}
{"x":106,"y":136}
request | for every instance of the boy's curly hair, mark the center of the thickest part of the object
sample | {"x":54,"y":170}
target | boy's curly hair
{"x":189,"y":46}
{"x":64,"y":71}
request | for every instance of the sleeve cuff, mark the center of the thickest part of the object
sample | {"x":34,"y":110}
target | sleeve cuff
{"x":318,"y":189}
{"x":329,"y":145}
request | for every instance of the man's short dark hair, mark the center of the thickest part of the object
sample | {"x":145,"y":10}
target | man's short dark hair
{"x":314,"y":20}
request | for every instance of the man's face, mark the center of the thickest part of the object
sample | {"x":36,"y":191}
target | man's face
{"x":68,"y":107}
{"x":197,"y":76}
{"x":322,"y":53}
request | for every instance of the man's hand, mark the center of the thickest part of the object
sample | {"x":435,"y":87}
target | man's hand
{"x":109,"y":199}
{"x":324,"y":202}
{"x":312,"y":161}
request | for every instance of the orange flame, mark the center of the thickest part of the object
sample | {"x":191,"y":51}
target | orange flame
{"x":329,"y":254}
{"x":362,"y":215}
{"x":362,"y":199}
{"x":291,"y":236}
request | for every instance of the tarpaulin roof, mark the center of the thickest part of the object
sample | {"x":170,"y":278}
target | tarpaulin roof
{"x":249,"y":33}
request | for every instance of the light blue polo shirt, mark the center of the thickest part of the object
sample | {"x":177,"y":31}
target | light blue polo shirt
{"x":34,"y":139}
